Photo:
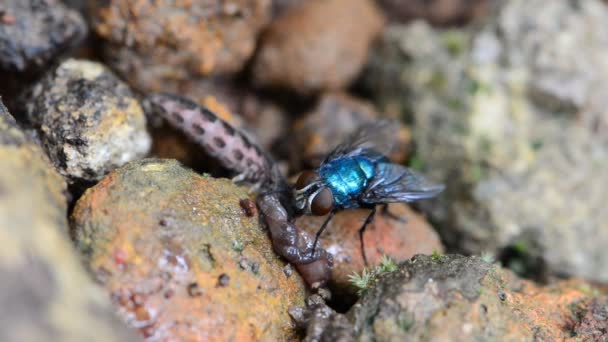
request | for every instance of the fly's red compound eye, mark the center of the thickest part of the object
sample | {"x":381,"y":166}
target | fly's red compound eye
{"x":322,"y":203}
{"x":306,"y":178}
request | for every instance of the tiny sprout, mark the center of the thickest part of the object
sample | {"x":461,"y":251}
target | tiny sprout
{"x":488,"y":257}
{"x":387,"y":264}
{"x":368,"y":277}
{"x":361,"y":282}
{"x":237,"y":246}
{"x":436,"y":256}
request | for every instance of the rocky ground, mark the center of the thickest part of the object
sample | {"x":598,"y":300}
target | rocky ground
{"x":116,"y":227}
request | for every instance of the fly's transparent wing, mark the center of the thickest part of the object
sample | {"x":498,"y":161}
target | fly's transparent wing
{"x":374,"y":139}
{"x":396,"y":183}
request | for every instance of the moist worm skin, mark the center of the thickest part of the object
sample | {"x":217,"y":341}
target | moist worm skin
{"x":237,"y":153}
{"x":223,"y":142}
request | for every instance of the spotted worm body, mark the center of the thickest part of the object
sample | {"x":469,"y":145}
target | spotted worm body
{"x":254,"y":166}
{"x":220,"y":140}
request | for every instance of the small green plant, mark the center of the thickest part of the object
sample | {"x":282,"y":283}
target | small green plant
{"x":362,"y":282}
{"x":237,"y":246}
{"x":387,"y":264}
{"x":436,"y":256}
{"x":488,"y":257}
{"x":417,"y":163}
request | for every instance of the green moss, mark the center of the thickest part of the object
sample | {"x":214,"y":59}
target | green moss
{"x":521,"y":247}
{"x":406,"y":321}
{"x":437,"y":82}
{"x":536,"y":144}
{"x":477,"y":87}
{"x":237,"y":246}
{"x":490,"y":258}
{"x":485,"y":145}
{"x":477,"y":172}
{"x":455,"y":42}
{"x":417,"y":163}
{"x":362,"y":282}
{"x":455,"y":104}
{"x":387,"y":264}
{"x":436,"y":256}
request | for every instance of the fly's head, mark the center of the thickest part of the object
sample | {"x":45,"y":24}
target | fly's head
{"x":313,"y":196}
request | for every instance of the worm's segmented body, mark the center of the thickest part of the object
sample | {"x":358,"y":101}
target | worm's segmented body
{"x":233,"y":149}
{"x":237,"y":153}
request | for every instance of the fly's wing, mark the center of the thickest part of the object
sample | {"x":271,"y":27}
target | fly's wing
{"x":396,"y":183}
{"x":374,"y":140}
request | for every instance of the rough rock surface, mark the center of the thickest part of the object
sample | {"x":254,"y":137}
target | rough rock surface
{"x":88,"y":121}
{"x":45,"y":293}
{"x":437,"y":12}
{"x":331,"y":121}
{"x":317,"y":45}
{"x":399,"y":239}
{"x":181,"y":256}
{"x":33,"y":32}
{"x":158,"y":43}
{"x":456,"y":298}
{"x":513,"y":117}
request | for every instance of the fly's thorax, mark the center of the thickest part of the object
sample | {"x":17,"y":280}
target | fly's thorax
{"x":347,"y":178}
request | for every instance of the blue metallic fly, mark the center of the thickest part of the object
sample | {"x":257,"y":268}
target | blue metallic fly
{"x":357,"y":174}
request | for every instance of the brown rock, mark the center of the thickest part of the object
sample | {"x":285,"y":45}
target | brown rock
{"x":152,"y":43}
{"x":389,"y":236}
{"x":318,"y":45}
{"x":334,"y":118}
{"x":45,"y":293}
{"x":437,"y":12}
{"x":88,"y":121}
{"x":169,"y":244}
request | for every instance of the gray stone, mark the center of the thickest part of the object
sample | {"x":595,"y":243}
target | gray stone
{"x":88,"y":121}
{"x":512,"y":116}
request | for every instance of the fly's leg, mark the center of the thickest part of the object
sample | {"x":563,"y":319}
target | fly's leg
{"x":387,"y":213}
{"x":320,"y":231}
{"x":368,"y":220}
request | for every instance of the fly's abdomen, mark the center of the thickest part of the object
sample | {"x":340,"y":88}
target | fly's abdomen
{"x":347,"y":178}
{"x":218,"y":138}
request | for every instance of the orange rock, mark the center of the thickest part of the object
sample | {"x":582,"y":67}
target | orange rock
{"x":155,"y":42}
{"x":317,"y":45}
{"x":385,"y":236}
{"x":193,"y":266}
